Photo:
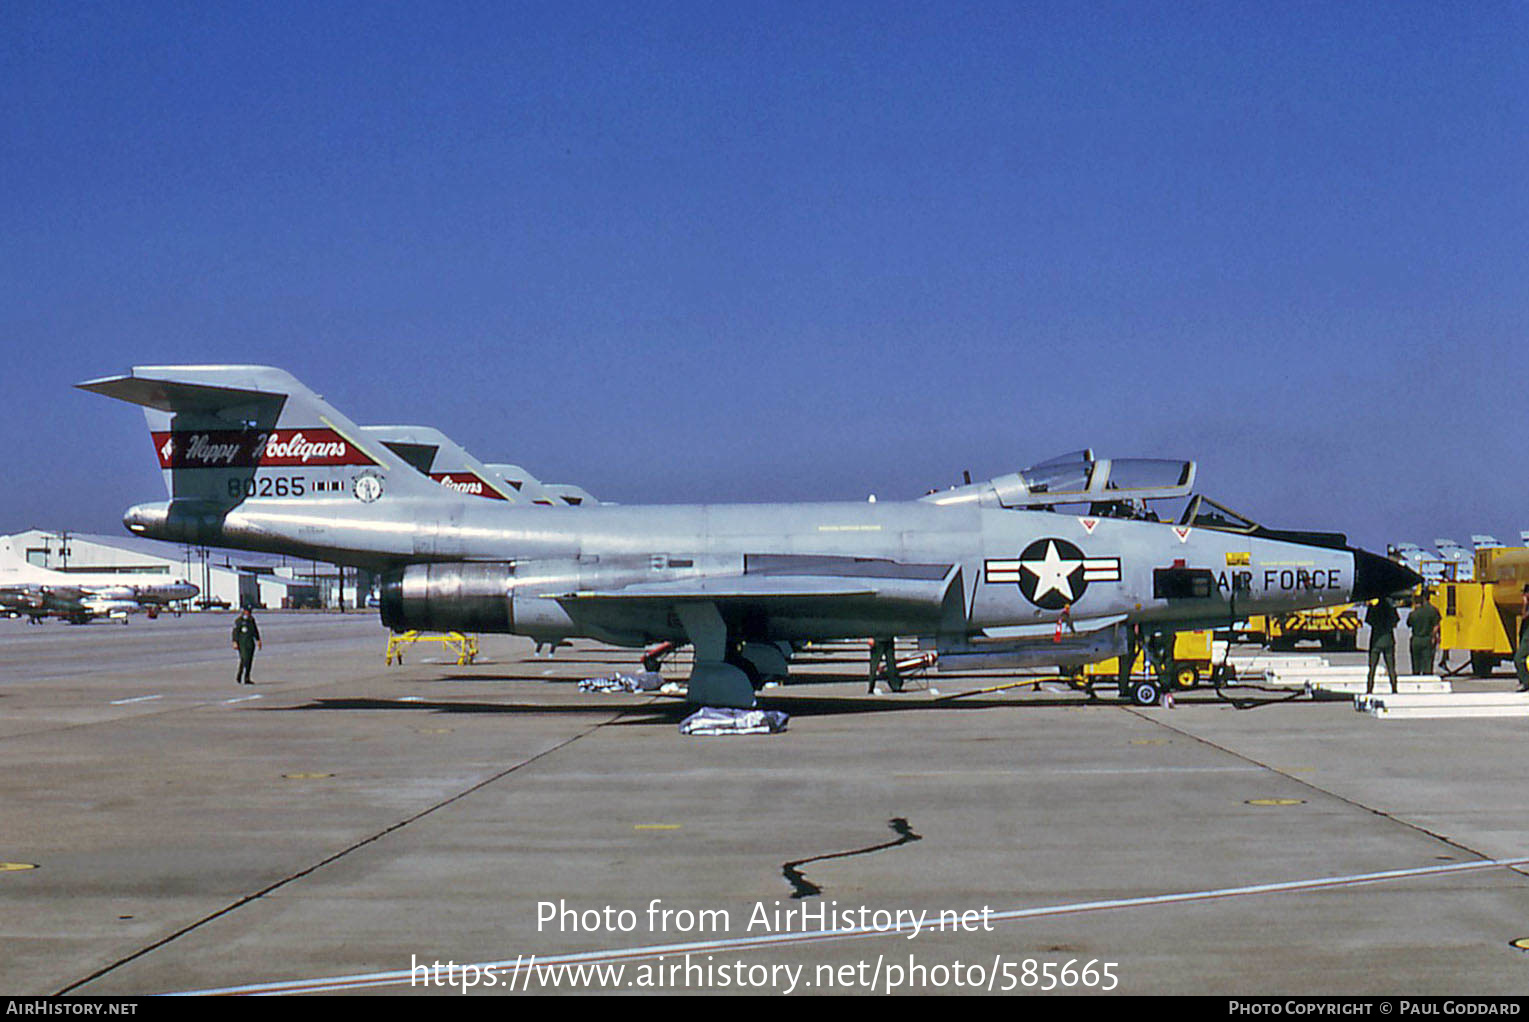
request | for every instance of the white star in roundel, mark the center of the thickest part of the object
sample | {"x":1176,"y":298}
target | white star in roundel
{"x":1051,"y":574}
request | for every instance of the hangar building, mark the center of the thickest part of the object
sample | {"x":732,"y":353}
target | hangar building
{"x":227,"y":578}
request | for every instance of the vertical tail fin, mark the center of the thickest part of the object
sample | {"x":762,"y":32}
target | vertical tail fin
{"x":254,"y":442}
{"x":226,"y":434}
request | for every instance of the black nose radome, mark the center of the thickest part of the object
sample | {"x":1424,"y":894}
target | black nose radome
{"x":1377,"y":576}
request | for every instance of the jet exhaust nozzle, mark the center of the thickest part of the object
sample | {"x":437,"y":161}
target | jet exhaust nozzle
{"x":178,"y":521}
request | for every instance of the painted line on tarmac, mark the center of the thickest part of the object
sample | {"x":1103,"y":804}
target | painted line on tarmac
{"x":135,"y":699}
{"x":342,"y":853}
{"x":1348,"y":800}
{"x":513,"y":966}
{"x":1043,"y":772}
{"x":240,"y":699}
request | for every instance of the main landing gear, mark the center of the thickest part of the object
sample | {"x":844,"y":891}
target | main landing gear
{"x":1145,"y":692}
{"x":1164,"y":673}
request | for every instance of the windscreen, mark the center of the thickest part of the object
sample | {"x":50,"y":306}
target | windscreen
{"x":1056,"y":477}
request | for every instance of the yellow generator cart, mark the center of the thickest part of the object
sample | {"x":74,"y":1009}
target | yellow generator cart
{"x":1191,"y":656}
{"x":1480,"y":617}
{"x":1334,"y":628}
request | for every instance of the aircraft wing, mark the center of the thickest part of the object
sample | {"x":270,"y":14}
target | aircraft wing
{"x":734,"y":587}
{"x":855,"y":592}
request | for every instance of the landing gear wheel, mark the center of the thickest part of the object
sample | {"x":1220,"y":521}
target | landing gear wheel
{"x":1144,"y":693}
{"x":756,"y":680}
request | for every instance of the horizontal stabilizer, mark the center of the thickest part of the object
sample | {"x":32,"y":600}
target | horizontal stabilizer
{"x":236,"y":404}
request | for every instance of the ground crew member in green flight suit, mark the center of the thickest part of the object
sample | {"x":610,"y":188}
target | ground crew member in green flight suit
{"x":1160,"y":658}
{"x":1521,"y":654}
{"x":1381,"y":618}
{"x":1424,"y":624}
{"x":246,"y":641}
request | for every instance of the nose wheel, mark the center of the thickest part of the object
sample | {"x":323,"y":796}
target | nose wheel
{"x":1145,"y":692}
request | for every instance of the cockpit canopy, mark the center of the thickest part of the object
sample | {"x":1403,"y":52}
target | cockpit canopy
{"x":1116,"y":488}
{"x":1078,"y":478}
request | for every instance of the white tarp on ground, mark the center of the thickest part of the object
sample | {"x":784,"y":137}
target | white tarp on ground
{"x":715,"y":720}
{"x":642,"y":681}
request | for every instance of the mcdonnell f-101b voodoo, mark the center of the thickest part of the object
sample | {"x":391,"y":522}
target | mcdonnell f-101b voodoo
{"x":989,"y":574}
{"x":442,"y":459}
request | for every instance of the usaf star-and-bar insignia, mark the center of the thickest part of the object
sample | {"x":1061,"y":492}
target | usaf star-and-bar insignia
{"x":1052,"y":572}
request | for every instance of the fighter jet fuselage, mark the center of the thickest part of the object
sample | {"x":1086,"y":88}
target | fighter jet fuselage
{"x":256,"y":461}
{"x":818,"y":571}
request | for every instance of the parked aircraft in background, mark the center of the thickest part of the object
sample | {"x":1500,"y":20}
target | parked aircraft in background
{"x":989,"y":575}
{"x":554,"y":494}
{"x":1463,"y":561}
{"x":39,"y":592}
{"x":448,"y":463}
{"x":568,"y":493}
{"x":442,"y":459}
{"x":1417,"y":559}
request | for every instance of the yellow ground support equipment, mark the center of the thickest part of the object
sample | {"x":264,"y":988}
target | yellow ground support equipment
{"x":1191,"y":655}
{"x":1480,"y":617}
{"x":1335,"y":628}
{"x":464,"y":646}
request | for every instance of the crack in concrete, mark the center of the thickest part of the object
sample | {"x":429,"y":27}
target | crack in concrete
{"x":804,"y":888}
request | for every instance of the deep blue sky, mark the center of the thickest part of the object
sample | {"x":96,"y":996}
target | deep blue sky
{"x":752,"y":251}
